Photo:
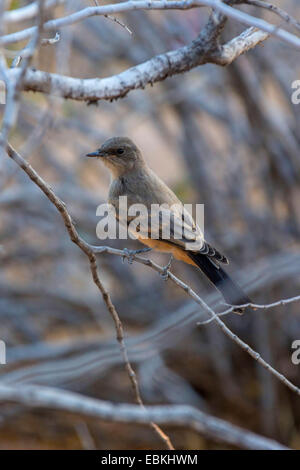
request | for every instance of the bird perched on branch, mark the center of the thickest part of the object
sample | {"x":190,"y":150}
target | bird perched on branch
{"x":131,"y":177}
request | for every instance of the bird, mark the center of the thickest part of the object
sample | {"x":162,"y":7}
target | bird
{"x":132,"y":177}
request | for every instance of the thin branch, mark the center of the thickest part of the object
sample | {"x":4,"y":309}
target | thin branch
{"x":29,"y":11}
{"x":214,"y":317}
{"x":24,"y":53}
{"x":87,"y":249}
{"x":115,"y":20}
{"x":278,"y":303}
{"x":175,"y":415}
{"x":199,"y":52}
{"x":227,"y":10}
{"x":275,"y":9}
{"x":147,"y":262}
{"x":14,"y":86}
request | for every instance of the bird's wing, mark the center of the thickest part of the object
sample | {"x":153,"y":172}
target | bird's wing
{"x":167,"y":221}
{"x":173,"y":225}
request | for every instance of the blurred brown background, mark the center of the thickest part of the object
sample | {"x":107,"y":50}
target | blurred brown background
{"x":225,"y":137}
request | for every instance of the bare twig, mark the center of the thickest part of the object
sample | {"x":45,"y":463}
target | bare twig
{"x":87,"y":249}
{"x":227,"y":10}
{"x":29,"y":11}
{"x":224,"y":328}
{"x":278,"y":303}
{"x":113,"y":18}
{"x":275,"y":9}
{"x":14,"y":85}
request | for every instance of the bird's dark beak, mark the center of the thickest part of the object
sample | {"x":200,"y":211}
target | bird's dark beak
{"x":97,"y":153}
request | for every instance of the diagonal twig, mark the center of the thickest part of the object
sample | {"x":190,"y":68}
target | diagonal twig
{"x":87,"y":249}
{"x":115,"y":20}
{"x":275,"y":9}
{"x":214,"y":317}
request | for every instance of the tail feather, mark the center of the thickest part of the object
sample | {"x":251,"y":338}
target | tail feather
{"x":231,"y":292}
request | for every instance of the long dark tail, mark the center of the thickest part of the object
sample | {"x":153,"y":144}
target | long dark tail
{"x":231,"y":292}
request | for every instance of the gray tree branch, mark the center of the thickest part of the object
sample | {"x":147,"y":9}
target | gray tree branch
{"x":172,"y":415}
{"x":199,"y":52}
{"x":132,"y":5}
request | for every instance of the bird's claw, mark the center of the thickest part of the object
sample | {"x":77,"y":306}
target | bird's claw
{"x":130,"y":254}
{"x":165,"y":272}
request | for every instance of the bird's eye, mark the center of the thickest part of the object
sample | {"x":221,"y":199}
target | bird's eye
{"x":120,"y":151}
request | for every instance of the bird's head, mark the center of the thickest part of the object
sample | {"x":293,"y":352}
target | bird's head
{"x":119,"y":154}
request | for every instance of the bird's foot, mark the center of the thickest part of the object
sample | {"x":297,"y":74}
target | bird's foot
{"x":165,"y":273}
{"x":130,"y":254}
